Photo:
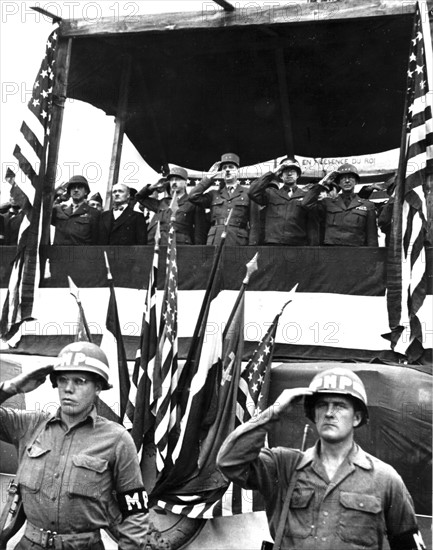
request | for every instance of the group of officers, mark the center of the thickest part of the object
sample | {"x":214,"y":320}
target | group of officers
{"x":273,"y":210}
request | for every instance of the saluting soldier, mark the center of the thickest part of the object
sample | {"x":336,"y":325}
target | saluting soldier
{"x":334,"y":495}
{"x":287,"y":221}
{"x":78,"y":472}
{"x":349,"y":220}
{"x":243,"y":228}
{"x":190,"y":222}
{"x":76,"y":223}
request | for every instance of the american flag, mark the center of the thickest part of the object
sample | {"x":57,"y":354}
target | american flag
{"x":141,"y":390}
{"x":407,"y":278}
{"x":31,"y":155}
{"x":166,"y":374}
{"x":255,"y":379}
{"x":252,"y":398}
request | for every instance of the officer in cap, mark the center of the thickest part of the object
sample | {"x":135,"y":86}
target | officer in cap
{"x":76,"y":222}
{"x":333,"y":496}
{"x":95,"y":201}
{"x":348,"y":219}
{"x":230,"y":196}
{"x":78,"y":472}
{"x":287,"y":222}
{"x":190,"y":220}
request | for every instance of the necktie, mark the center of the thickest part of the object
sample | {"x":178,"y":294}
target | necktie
{"x":120,"y":207}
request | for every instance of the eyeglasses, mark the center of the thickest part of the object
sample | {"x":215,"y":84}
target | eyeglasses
{"x":77,"y":381}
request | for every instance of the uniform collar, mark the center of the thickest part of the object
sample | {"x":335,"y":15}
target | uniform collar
{"x":91,"y":417}
{"x":232,"y":187}
{"x":356,"y":456}
{"x":284,"y":187}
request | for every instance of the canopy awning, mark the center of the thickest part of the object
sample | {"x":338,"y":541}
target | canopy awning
{"x":204,"y":84}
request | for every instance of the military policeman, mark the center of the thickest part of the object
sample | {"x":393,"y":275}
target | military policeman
{"x":76,"y":223}
{"x":287,"y":221}
{"x":78,"y":472}
{"x":334,"y":496}
{"x":243,"y":227}
{"x":190,"y":220}
{"x":349,"y":220}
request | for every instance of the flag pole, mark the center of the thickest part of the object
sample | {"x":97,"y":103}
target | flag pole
{"x":209,"y":288}
{"x":73,"y":290}
{"x":107,"y":265}
{"x":252,"y":267}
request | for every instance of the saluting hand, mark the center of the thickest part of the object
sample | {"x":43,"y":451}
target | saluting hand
{"x":287,"y":398}
{"x":24,"y":383}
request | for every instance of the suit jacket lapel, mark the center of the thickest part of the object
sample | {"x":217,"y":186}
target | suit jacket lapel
{"x":124,"y":217}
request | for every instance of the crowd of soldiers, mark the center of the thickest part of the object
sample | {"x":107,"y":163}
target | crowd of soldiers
{"x":273,"y":210}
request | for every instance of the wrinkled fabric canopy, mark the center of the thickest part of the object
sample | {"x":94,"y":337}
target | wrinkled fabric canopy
{"x":197,"y":90}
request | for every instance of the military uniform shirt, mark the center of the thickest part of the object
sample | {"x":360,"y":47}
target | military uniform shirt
{"x":365,"y":500}
{"x":353,"y":224}
{"x":68,"y":476}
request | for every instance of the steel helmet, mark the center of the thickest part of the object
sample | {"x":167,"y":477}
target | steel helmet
{"x":347,"y":169}
{"x":82,"y":357}
{"x":337,"y":380}
{"x":290,"y":163}
{"x":78,"y":180}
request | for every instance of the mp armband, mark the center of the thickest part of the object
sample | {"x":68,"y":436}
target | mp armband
{"x":134,"y":501}
{"x":411,"y":540}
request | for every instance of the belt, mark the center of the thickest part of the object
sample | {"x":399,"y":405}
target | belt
{"x":232,"y":223}
{"x":51,"y":539}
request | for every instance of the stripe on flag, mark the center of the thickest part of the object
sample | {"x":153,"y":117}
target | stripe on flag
{"x":166,"y":365}
{"x":112,"y":345}
{"x":407,"y":277}
{"x":141,"y":390}
{"x":31,"y":155}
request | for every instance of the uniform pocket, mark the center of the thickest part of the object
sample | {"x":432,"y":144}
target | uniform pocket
{"x":277,"y":207}
{"x":87,"y":474}
{"x":32,"y":472}
{"x":301,"y":513}
{"x":360,"y":519}
{"x":82,"y":220}
{"x":360,"y":216}
{"x":217,"y":201}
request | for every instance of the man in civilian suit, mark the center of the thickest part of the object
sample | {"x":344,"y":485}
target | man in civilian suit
{"x":122,"y":225}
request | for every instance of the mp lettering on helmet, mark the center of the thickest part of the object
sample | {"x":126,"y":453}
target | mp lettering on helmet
{"x":338,"y":383}
{"x":70,"y":358}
